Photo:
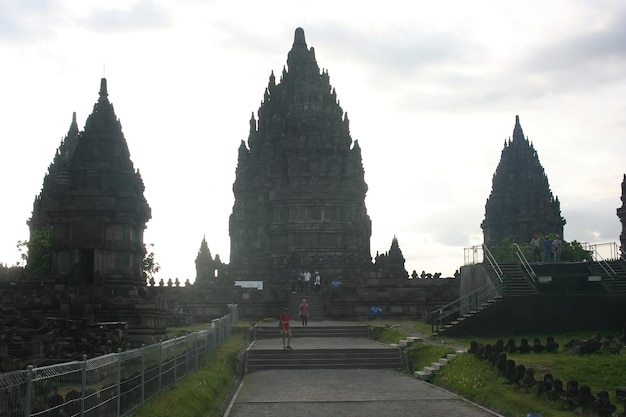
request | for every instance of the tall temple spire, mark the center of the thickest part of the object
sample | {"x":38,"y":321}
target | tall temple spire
{"x":299,"y":183}
{"x":521,"y":203}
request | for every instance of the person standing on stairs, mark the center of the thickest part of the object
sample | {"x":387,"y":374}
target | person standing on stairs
{"x":285,"y":329}
{"x":318,"y":282}
{"x":304,"y":312}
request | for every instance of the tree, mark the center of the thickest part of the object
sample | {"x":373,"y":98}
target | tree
{"x":503,"y":252}
{"x":150,"y":266}
{"x":574,"y":252}
{"x":570,"y":251}
{"x":36,"y":252}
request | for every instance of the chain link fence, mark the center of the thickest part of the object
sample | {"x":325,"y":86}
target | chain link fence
{"x":110,"y":385}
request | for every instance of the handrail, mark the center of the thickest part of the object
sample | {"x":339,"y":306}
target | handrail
{"x":437,"y":316}
{"x":605,"y":265}
{"x":473,"y":298}
{"x":522,"y":258}
{"x":493,"y":263}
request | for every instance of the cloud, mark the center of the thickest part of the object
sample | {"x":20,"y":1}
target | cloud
{"x":26,"y":21}
{"x":140,"y":16}
{"x":595,"y":221}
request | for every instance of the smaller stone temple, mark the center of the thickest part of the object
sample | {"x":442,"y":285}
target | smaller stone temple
{"x":92,"y":201}
{"x":521,"y":203}
{"x":208,"y":269}
{"x":92,"y":198}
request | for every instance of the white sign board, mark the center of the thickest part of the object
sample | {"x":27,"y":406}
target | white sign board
{"x":249,"y":284}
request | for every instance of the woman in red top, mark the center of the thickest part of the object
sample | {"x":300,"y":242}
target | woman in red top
{"x":285,"y":330}
{"x":304,"y":312}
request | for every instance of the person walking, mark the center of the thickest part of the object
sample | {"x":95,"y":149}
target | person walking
{"x":304,"y":312}
{"x":547,"y":249}
{"x":307,"y":281}
{"x":300,"y":282}
{"x":536,"y":243}
{"x":285,"y":329}
{"x":556,"y":249}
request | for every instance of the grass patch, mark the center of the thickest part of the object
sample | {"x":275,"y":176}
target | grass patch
{"x":390,"y":335}
{"x":424,"y":355}
{"x":475,"y":379}
{"x":204,"y":393}
{"x":174,"y":332}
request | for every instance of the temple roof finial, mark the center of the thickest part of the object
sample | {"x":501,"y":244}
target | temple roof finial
{"x":298,"y":38}
{"x":518,"y":133}
{"x":103,"y":88}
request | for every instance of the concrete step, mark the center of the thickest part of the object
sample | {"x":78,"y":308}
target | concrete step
{"x":424,"y":375}
{"x":323,"y":359}
{"x":273,"y":331}
{"x":427,"y":373}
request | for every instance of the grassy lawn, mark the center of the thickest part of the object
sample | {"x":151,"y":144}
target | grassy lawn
{"x":204,"y":393}
{"x":475,"y":379}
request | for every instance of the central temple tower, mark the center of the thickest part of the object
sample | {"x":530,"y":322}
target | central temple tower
{"x":299,"y":188}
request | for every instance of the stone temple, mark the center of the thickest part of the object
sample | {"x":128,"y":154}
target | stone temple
{"x":521,"y":203}
{"x":300,"y":188}
{"x":92,"y":198}
{"x":92,"y":201}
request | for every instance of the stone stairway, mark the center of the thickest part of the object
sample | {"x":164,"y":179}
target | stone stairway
{"x":616,"y":285}
{"x":321,"y":345}
{"x":315,"y":301}
{"x":516,"y":282}
{"x":469,"y":315}
{"x":314,"y":329}
{"x":323,"y":359}
{"x":428,"y":371}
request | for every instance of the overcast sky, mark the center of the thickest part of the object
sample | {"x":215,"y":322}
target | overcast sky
{"x":431,"y":90}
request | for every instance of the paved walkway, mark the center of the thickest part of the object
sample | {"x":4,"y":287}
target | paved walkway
{"x":342,"y":393}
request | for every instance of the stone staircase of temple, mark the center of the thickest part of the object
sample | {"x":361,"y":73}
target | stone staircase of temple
{"x":315,"y":301}
{"x":469,"y":315}
{"x":614,"y":284}
{"x":516,"y":282}
{"x":322,"y":346}
{"x":259,"y":360}
{"x":313,"y":330}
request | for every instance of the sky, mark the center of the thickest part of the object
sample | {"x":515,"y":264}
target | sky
{"x":431,"y":90}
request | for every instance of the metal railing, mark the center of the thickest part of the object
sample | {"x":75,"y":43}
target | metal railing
{"x":605,"y":251}
{"x":494,"y":264}
{"x":444,"y":315}
{"x":524,"y":262}
{"x":610,"y":250}
{"x":110,"y":385}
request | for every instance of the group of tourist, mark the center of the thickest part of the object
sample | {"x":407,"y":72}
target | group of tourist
{"x":284,"y":322}
{"x":302,"y":281}
{"x":551,"y":248}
